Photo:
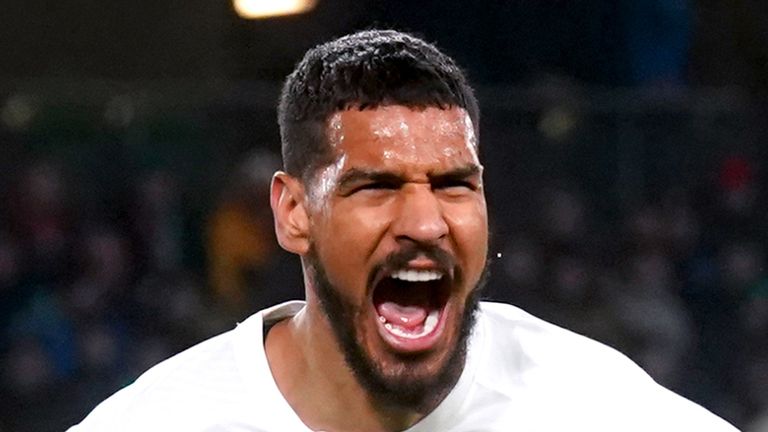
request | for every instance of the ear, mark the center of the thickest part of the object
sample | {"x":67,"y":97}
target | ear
{"x":288,"y":206}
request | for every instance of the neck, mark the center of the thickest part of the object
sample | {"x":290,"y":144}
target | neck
{"x":311,"y":373}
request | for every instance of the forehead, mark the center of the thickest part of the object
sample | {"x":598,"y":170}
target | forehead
{"x":397,"y":133}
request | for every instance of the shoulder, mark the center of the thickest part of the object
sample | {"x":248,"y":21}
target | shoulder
{"x":190,"y":388}
{"x":528,"y":354}
{"x":559,"y":376}
{"x":536,"y":344}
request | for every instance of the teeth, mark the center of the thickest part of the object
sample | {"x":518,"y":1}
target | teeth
{"x":429,"y":325}
{"x":431,"y":321}
{"x":417,"y":275}
{"x":399,"y":331}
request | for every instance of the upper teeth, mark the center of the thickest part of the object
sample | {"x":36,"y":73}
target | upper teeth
{"x":417,"y":275}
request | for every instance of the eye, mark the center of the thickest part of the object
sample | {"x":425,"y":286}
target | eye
{"x":455,"y":184}
{"x":376,"y":186}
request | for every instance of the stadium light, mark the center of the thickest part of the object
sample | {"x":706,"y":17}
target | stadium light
{"x":256,"y":9}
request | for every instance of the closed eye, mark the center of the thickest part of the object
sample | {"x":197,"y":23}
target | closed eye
{"x":377,"y":186}
{"x":454,"y":183}
{"x":356,"y":180}
{"x":380,"y":185}
{"x":464,"y":179}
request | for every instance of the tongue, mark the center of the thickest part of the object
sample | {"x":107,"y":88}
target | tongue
{"x":403,"y":316}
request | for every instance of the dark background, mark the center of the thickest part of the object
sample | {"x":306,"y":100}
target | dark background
{"x":623,"y":141}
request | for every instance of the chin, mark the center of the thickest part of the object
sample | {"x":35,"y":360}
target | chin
{"x":413,"y":364}
{"x":416,"y":381}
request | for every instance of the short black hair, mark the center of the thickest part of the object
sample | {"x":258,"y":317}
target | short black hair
{"x":363,"y":70}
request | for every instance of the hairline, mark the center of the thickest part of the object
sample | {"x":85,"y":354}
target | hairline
{"x":300,"y":122}
{"x":308,"y":175}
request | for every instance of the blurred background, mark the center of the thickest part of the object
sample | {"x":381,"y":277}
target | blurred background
{"x":624,"y":145}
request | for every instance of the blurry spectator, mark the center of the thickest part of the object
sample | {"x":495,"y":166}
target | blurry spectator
{"x":99,"y":350}
{"x":104,"y":283}
{"x":681,"y":223}
{"x":42,"y":216}
{"x":158,"y":222}
{"x":574,"y":299}
{"x":12,"y":291}
{"x":755,"y":311}
{"x":743,"y":265}
{"x":737,"y":185}
{"x":654,"y":318}
{"x":756,"y":390}
{"x":100,"y":304}
{"x":10,"y":267}
{"x":27,"y":367}
{"x":645,"y":228}
{"x":244,"y":260}
{"x":41,"y":349}
{"x":715,"y":282}
{"x":563,"y":216}
{"x":173,"y":305}
{"x":521,"y":267}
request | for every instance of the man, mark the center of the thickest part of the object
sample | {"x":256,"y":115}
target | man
{"x":382,"y":198}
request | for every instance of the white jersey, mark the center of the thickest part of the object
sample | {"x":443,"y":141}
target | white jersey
{"x":522,"y":374}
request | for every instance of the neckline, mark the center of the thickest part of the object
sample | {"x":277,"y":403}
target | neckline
{"x":252,"y":361}
{"x":442,"y":417}
{"x":251,"y":358}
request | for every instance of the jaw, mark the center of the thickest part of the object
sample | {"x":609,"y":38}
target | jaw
{"x":422,"y":379}
{"x":410,"y":371}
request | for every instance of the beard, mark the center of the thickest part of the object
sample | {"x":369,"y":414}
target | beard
{"x":402,"y":386}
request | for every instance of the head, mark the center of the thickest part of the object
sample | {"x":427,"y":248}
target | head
{"x":382,"y":197}
{"x":364,"y":70}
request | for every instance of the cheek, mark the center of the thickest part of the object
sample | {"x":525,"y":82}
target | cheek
{"x":357,"y":228}
{"x":469,"y":228}
{"x":346,"y":240}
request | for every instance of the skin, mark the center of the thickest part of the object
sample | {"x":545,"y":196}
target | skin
{"x":401,"y":177}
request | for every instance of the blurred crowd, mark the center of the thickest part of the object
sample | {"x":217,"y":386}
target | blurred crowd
{"x":678,"y":284}
{"x":90,"y":300}
{"x":95,"y":290}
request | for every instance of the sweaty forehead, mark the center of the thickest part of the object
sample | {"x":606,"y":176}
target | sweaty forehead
{"x":413,"y":143}
{"x":406,"y":131}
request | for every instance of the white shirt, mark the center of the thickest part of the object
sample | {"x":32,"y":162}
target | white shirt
{"x":522,"y":374}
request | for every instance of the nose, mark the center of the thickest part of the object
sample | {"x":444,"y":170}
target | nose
{"x":420,"y":216}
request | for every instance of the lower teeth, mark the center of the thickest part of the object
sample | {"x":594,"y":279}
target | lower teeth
{"x":429,"y":324}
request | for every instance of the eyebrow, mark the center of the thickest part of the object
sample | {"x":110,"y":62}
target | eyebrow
{"x":356,"y":175}
{"x":457,"y":173}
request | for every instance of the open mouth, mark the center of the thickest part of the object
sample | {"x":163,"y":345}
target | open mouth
{"x":411,"y":307}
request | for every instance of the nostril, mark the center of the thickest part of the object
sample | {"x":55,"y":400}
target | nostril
{"x":423,"y":233}
{"x":420,"y":217}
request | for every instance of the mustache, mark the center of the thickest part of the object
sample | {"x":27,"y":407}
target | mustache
{"x":399,"y":259}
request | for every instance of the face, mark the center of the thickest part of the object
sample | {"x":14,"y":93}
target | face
{"x":399,"y":238}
